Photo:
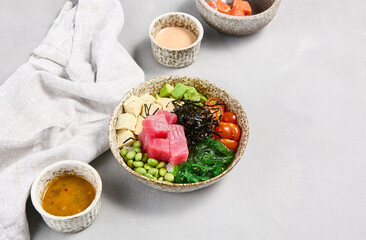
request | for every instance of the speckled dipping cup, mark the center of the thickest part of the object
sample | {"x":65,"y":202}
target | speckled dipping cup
{"x":207,"y":88}
{"x":79,"y":221}
{"x":263,"y":12}
{"x":180,"y":57}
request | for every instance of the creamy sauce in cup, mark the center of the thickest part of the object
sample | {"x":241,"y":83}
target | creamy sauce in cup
{"x":175,"y":37}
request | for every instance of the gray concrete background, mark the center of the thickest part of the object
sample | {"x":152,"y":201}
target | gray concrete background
{"x":302,"y":82}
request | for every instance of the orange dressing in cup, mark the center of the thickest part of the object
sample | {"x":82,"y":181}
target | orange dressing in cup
{"x":67,"y":195}
{"x":175,"y":37}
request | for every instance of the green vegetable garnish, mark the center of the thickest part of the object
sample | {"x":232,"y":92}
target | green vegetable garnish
{"x":208,"y":159}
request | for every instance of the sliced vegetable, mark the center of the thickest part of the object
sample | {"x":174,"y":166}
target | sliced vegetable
{"x":229,"y":117}
{"x":227,"y":130}
{"x":179,"y":90}
{"x":230,"y":144}
{"x":216,"y":106}
{"x":166,"y":91}
{"x":222,"y":131}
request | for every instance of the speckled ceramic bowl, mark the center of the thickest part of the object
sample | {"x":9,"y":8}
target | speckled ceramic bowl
{"x":263,"y":12}
{"x":77,"y":222}
{"x":209,"y":89}
{"x":181,"y":57}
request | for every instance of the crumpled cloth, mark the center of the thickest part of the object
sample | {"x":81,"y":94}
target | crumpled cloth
{"x":57,"y":105}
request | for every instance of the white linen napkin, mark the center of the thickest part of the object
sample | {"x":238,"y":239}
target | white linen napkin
{"x":57,"y":105}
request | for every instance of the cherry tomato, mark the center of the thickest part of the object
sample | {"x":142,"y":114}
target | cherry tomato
{"x":215,"y":101}
{"x":228,"y":131}
{"x":229,"y":117}
{"x":216,"y":106}
{"x":230,"y":144}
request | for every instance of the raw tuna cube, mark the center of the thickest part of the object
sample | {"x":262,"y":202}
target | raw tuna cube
{"x":171,"y":118}
{"x":144,"y":138}
{"x":158,"y":148}
{"x":177,"y":145}
{"x":156,"y":126}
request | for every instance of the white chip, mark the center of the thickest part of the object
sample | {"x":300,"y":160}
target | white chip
{"x":147,"y":98}
{"x":133,"y":105}
{"x":149,"y":108}
{"x":122,"y":136}
{"x":166,"y":104}
{"x":126,"y":121}
{"x":139,"y":125}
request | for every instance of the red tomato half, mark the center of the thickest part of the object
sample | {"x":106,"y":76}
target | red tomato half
{"x":230,"y":144}
{"x":228,"y":131}
{"x":229,"y":117}
{"x":216,"y":106}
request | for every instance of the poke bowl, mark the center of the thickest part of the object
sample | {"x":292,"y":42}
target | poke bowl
{"x":140,"y":169}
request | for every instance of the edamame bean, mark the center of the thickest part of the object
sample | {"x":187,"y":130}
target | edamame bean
{"x":169,"y":177}
{"x":154,"y":171}
{"x":131,"y":155}
{"x":154,"y":178}
{"x":152,"y":162}
{"x":161,"y":165}
{"x":138,"y":164}
{"x":130,"y":163}
{"x":137,"y":150}
{"x":137,"y":144}
{"x":145,"y":157}
{"x":141,"y":170}
{"x":149,"y":175}
{"x":162,"y":171}
{"x":123,"y":152}
{"x":161,"y":179}
{"x":138,"y":157}
{"x":147,"y":166}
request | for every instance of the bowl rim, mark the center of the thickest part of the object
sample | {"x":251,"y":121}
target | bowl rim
{"x":58,"y":165}
{"x":180,"y":185}
{"x":195,"y":20}
{"x":273,"y":7}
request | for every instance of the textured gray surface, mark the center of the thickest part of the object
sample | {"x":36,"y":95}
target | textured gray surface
{"x":301,"y":81}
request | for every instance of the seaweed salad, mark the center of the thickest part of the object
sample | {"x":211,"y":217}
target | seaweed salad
{"x":209,"y":159}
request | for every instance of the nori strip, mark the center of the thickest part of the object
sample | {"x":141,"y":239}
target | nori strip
{"x":198,"y":120}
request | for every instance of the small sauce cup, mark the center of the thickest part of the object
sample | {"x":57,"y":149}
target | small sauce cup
{"x":79,"y":221}
{"x":180,"y":57}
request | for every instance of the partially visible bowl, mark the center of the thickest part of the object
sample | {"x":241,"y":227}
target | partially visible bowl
{"x":263,"y":13}
{"x":207,"y":88}
{"x":180,"y":57}
{"x":73,"y":223}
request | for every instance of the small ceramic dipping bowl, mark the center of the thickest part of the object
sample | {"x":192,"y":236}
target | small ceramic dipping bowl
{"x":75,"y":222}
{"x":263,"y":12}
{"x":180,"y":57}
{"x":207,"y":88}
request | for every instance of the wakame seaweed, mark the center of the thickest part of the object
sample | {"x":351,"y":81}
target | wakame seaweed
{"x":208,"y":159}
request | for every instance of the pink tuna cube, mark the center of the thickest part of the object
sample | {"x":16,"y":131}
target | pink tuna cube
{"x":144,"y":138}
{"x":158,"y":148}
{"x":177,"y":145}
{"x":156,"y":126}
{"x":171,"y":118}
